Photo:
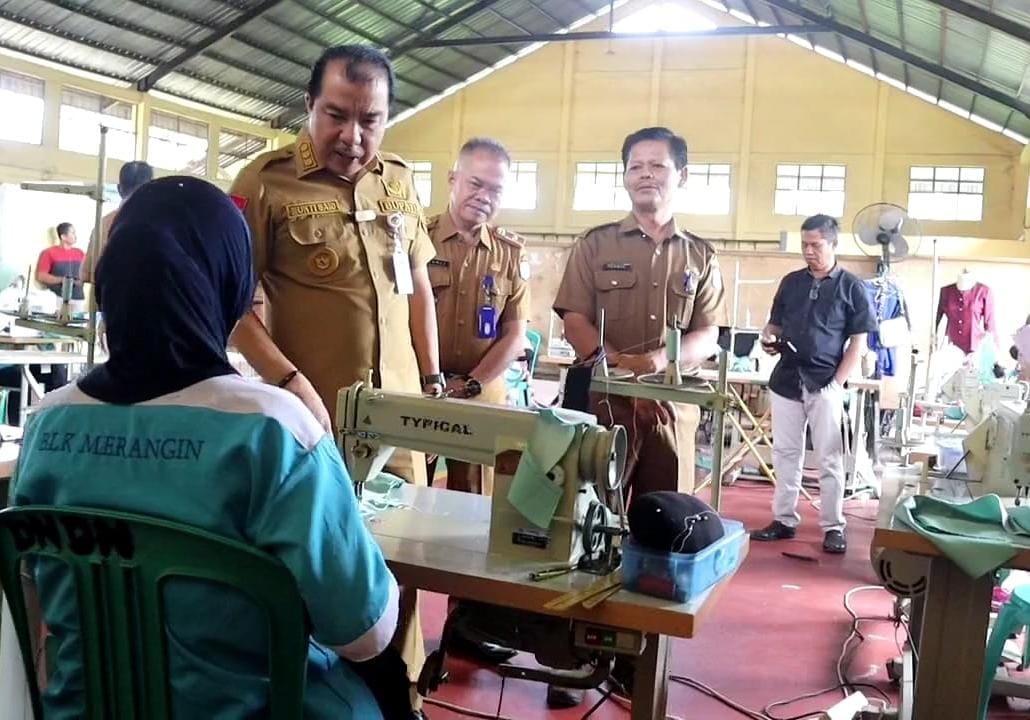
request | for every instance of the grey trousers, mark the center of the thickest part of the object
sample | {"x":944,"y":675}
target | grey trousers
{"x":821,"y":411}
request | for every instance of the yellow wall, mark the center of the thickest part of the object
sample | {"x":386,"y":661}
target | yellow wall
{"x":28,"y":218}
{"x":752,"y":102}
{"x":21,"y":162}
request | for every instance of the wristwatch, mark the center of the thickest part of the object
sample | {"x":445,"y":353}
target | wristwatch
{"x":433,"y":379}
{"x":472,"y":387}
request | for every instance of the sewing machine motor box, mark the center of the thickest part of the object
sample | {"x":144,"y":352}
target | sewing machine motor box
{"x":998,"y":451}
{"x":372,"y":423}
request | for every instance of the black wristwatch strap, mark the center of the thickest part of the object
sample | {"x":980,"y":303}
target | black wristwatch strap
{"x":433,"y":379}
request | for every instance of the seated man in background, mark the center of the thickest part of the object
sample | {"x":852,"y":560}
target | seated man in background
{"x":61,"y":261}
{"x":264,"y":471}
{"x":55,"y":264}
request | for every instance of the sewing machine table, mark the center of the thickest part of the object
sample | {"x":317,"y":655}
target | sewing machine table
{"x":949,"y":621}
{"x":439,"y":544}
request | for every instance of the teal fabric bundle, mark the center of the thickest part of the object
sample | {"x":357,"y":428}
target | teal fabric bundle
{"x":979,"y":536}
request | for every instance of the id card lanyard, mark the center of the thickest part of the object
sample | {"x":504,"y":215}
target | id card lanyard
{"x":401,"y":261}
{"x":486,"y":316}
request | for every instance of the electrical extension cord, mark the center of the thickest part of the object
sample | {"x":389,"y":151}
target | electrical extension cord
{"x":875,"y":713}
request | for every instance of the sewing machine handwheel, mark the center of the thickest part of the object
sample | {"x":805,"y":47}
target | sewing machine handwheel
{"x":433,"y":675}
{"x":592,"y":521}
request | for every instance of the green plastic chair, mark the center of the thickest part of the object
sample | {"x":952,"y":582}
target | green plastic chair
{"x":521,"y":386}
{"x":1014,"y":616}
{"x":120,"y":562}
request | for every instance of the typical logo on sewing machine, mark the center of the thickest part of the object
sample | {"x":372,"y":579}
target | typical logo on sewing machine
{"x":436,"y":425}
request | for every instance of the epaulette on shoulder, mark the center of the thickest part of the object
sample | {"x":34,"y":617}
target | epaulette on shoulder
{"x":509,"y":236}
{"x":267,"y":158}
{"x":597,"y":228}
{"x":706,"y":244}
{"x":394,"y":159}
{"x":432,"y":222}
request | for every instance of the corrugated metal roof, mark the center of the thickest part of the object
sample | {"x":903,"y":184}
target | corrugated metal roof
{"x":977,"y":61}
{"x":974,"y":61}
{"x":260,"y":67}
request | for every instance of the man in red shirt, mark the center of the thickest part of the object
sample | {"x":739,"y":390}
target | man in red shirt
{"x":61,"y":261}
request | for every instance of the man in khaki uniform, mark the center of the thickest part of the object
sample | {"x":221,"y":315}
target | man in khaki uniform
{"x":647,"y":275}
{"x":340,"y":249}
{"x":479,"y":278}
{"x":131,"y":177}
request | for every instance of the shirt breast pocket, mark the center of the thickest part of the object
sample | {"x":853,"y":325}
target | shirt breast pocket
{"x":615,"y":294}
{"x":502,"y":291}
{"x":439,"y":278}
{"x":317,"y":246}
{"x":680,"y":304}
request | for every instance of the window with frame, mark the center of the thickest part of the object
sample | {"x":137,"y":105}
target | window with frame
{"x":177,"y":143}
{"x":235,"y":150}
{"x":21,"y":97}
{"x":82,"y":113}
{"x":803,"y":190}
{"x":520,"y":193}
{"x":422,"y":176}
{"x":599,"y":187}
{"x":946,"y":193}
{"x":707,"y":191}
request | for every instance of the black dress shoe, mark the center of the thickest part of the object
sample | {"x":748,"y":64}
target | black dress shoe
{"x":774,"y":531}
{"x":834,"y":542}
{"x":483,"y":652}
{"x":560,"y":698}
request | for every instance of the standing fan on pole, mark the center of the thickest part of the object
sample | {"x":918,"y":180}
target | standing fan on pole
{"x":895,"y":236}
{"x":890,"y":229}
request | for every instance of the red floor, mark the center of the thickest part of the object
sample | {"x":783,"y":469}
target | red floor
{"x":776,"y":632}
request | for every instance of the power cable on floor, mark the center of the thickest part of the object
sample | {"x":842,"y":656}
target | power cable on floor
{"x":614,"y":692}
{"x":843,"y":685}
{"x":463,"y":711}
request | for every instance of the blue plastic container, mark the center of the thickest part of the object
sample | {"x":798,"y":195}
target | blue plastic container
{"x":680,"y":576}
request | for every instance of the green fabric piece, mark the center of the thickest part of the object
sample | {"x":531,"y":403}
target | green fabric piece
{"x":532,"y":492}
{"x":381,"y":493}
{"x":978,"y":536}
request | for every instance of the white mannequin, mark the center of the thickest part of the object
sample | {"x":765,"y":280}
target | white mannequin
{"x":965,"y":280}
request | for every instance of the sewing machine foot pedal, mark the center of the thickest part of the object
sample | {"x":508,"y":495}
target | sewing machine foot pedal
{"x":586,"y":677}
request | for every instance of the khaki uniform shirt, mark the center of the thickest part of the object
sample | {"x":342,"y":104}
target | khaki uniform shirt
{"x":457,"y":274}
{"x":96,"y":248}
{"x":642,"y":287}
{"x":323,"y":254}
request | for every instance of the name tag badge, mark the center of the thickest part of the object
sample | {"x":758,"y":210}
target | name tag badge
{"x":364,"y":215}
{"x":689,"y":282}
{"x":402,"y":271}
{"x":401,"y":261}
{"x":486,"y":322}
{"x":621,"y":267}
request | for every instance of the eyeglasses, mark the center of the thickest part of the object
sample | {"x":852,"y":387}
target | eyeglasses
{"x":813,"y":292}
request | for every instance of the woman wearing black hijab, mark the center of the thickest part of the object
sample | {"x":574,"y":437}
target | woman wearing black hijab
{"x":167,"y":428}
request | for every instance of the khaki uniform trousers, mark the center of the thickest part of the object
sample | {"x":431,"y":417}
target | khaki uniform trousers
{"x":661,"y":452}
{"x":408,"y":640}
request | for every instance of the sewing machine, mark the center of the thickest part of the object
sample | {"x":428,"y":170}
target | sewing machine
{"x":998,"y":451}
{"x":582,"y":534}
{"x":590,"y":512}
{"x":980,"y":399}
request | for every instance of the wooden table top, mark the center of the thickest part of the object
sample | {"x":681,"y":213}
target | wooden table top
{"x":440,"y":544}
